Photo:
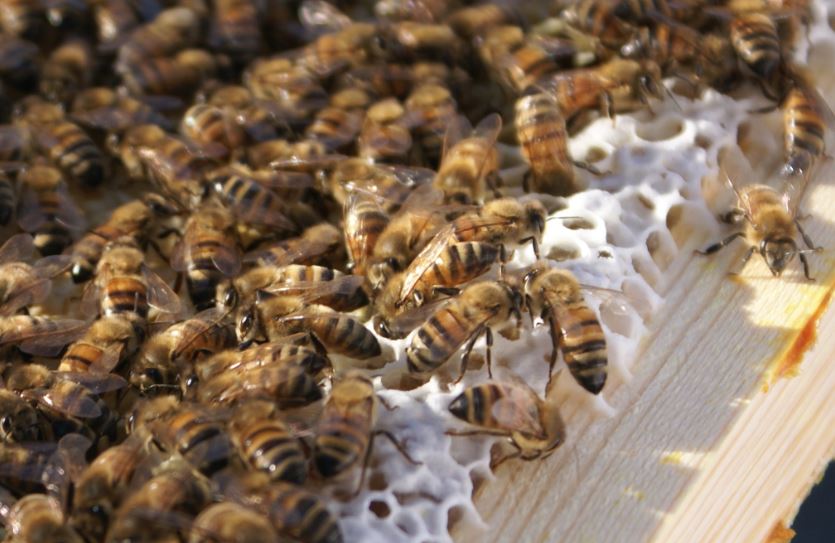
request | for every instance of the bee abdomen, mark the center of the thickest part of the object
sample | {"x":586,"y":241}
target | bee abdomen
{"x":339,"y":445}
{"x":474,"y":405}
{"x":436,"y":341}
{"x":268,"y":446}
{"x":80,"y":357}
{"x":344,"y":335}
{"x":302,"y":515}
{"x":125,"y":295}
{"x":583,"y":346}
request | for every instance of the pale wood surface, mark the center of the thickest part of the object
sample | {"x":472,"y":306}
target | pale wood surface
{"x":697,"y":450}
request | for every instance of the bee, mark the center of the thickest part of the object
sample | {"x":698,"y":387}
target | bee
{"x":511,"y":408}
{"x":259,"y":119}
{"x":19,"y":62}
{"x":128,"y":220}
{"x":68,"y":70}
{"x":176,"y":491}
{"x":176,"y":76}
{"x":62,"y":141}
{"x":171,"y":31}
{"x":348,"y":46}
{"x":297,"y":513}
{"x":291,"y":351}
{"x":337,"y":125}
{"x":103,"y":109}
{"x":305,"y":155}
{"x":46,"y":209}
{"x":208,"y":253}
{"x":598,"y":18}
{"x":806,"y":120}
{"x":23,"y":467}
{"x":386,"y":132}
{"x":267,"y":444}
{"x":208,"y":125}
{"x":320,"y":245}
{"x":236,"y":28}
{"x":434,"y":108}
{"x":229,"y":521}
{"x":575,"y":329}
{"x":22,"y":284}
{"x":604,"y":86}
{"x":383,"y":79}
{"x":103,"y":485}
{"x":472,"y":21}
{"x":472,"y":313}
{"x":391,"y":186}
{"x":163,"y":356}
{"x":771,"y":224}
{"x":756,"y":41}
{"x":294,"y":89}
{"x":124,"y":285}
{"x":19,"y":421}
{"x":365,"y":221}
{"x":422,"y":11}
{"x":500,"y":222}
{"x":540,"y":129}
{"x":22,"y":18}
{"x":412,"y":40}
{"x":38,"y":518}
{"x":116,"y":18}
{"x":470,"y":160}
{"x":107,"y":342}
{"x":285,"y":385}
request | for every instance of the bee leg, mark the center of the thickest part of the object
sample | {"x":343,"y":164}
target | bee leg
{"x":465,"y":360}
{"x":805,"y":263}
{"x":534,"y":243}
{"x":494,"y":181}
{"x":387,"y":405}
{"x":488,"y":338}
{"x":745,"y":260}
{"x":589,"y":168}
{"x":767,"y":109}
{"x":398,"y":445}
{"x":607,"y":106}
{"x":716,"y":246}
{"x":556,"y":334}
{"x":806,"y":239}
{"x":494,"y":465}
{"x":529,"y":304}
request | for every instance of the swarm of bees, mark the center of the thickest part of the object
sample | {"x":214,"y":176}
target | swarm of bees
{"x":294,"y":181}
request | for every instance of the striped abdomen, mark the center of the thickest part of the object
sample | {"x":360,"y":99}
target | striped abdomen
{"x":301,"y":515}
{"x":201,"y":440}
{"x":203,"y":274}
{"x":339,"y":333}
{"x":541,"y":131}
{"x":253,"y":202}
{"x":476,"y":404}
{"x":87,"y":251}
{"x":196,"y":341}
{"x":755,"y":39}
{"x":464,"y":169}
{"x":439,"y":338}
{"x":50,"y":236}
{"x":346,"y":298}
{"x":335,"y":127}
{"x":583,"y":344}
{"x":804,"y":130}
{"x":364,"y":222}
{"x":36,"y":516}
{"x":80,"y":357}
{"x":8,"y":200}
{"x":269,"y":446}
{"x":576,"y":90}
{"x":125,"y":294}
{"x":76,"y":153}
{"x":341,"y":442}
{"x":529,"y":64}
{"x":459,"y":263}
{"x":288,"y":386}
{"x":204,"y":123}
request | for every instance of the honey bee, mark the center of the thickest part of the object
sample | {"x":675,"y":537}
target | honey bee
{"x":434,"y":108}
{"x":472,"y":21}
{"x":102,"y":486}
{"x":108,"y":341}
{"x":511,"y":408}
{"x":365,"y":221}
{"x":771,"y":223}
{"x":756,"y":41}
{"x":320,"y":245}
{"x":38,"y":518}
{"x":294,"y":89}
{"x":506,"y":221}
{"x":540,"y":129}
{"x":62,"y":141}
{"x":472,"y":313}
{"x":259,"y":119}
{"x":68,"y":69}
{"x":422,"y":11}
{"x":124,"y":285}
{"x":386,"y":132}
{"x":208,"y":254}
{"x":22,"y":18}
{"x":286,"y":385}
{"x":171,"y":31}
{"x":229,"y":521}
{"x":116,"y":18}
{"x":604,"y":86}
{"x":345,"y":433}
{"x":130,"y":219}
{"x":412,"y":40}
{"x":236,"y":28}
{"x":575,"y":330}
{"x":176,"y":76}
{"x":19,"y":422}
{"x":598,"y":18}
{"x":806,"y":119}
{"x":337,"y":125}
{"x":47,"y":210}
{"x":23,"y":467}
{"x":19,"y":62}
{"x":267,"y":444}
{"x":297,"y":513}
{"x":391,"y":186}
{"x":348,"y":46}
{"x":103,"y":109}
{"x":208,"y":125}
{"x":304,"y":155}
{"x":175,"y":492}
{"x":22,"y":284}
{"x":470,"y":162}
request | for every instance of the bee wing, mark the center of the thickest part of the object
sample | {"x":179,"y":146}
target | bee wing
{"x":69,"y":214}
{"x":30,"y":216}
{"x":97,"y":383}
{"x":12,"y":140}
{"x":52,"y":266}
{"x":17,"y":248}
{"x":424,"y":261}
{"x":458,"y":129}
{"x":160,"y":295}
{"x":291,"y":254}
{"x":322,"y":162}
{"x":47,"y":342}
{"x":518,"y":410}
{"x":202,"y":322}
{"x":83,"y":407}
{"x":65,"y":466}
{"x":178,"y":260}
{"x":283,"y":179}
{"x":108,"y":118}
{"x":401,"y":325}
{"x":90,"y":299}
{"x":488,"y":129}
{"x":313,"y":290}
{"x":424,"y":198}
{"x":34,"y":291}
{"x":318,"y":16}
{"x":227,"y":261}
{"x":410,"y":175}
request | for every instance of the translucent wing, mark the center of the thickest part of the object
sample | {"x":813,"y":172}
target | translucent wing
{"x":51,"y":266}
{"x":458,"y":129}
{"x":160,"y":295}
{"x":97,"y":383}
{"x":285,"y":254}
{"x":69,"y":214}
{"x":402,"y":324}
{"x":199,"y":325}
{"x":33,"y":291}
{"x":30,"y":215}
{"x":424,"y":261}
{"x":517,"y":409}
{"x":46,"y":340}
{"x":17,"y":248}
{"x":737,"y":172}
{"x":283,"y":179}
{"x":309,"y":291}
{"x":84,"y":407}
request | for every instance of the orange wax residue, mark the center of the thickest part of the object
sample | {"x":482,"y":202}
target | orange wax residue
{"x":786,"y":365}
{"x":780,"y":534}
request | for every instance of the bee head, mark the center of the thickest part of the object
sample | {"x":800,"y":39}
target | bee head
{"x":778,"y":253}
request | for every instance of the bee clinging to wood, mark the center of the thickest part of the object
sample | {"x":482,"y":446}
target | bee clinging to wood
{"x":770,"y":216}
